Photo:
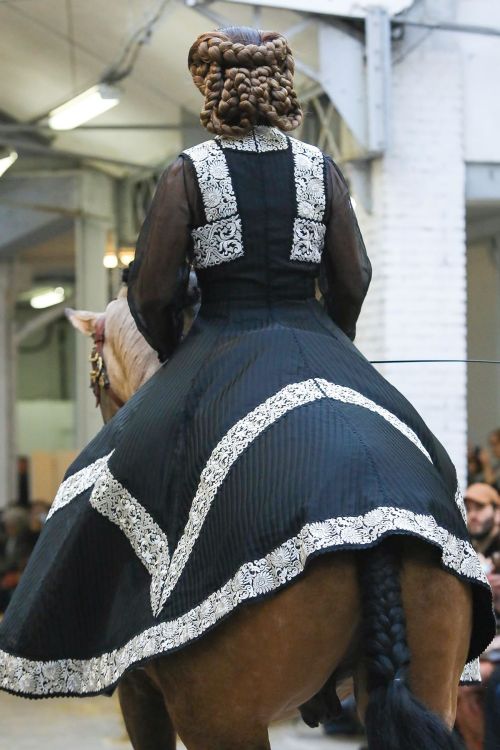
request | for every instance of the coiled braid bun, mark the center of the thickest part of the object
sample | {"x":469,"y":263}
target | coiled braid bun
{"x":246,"y":77}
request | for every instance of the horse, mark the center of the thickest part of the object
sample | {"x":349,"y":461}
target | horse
{"x":389,"y":623}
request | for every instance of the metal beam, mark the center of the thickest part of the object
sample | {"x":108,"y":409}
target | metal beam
{"x":482,"y":182}
{"x":378,"y":77}
{"x":345,"y":86}
{"x":7,"y":385}
{"x":36,"y":207}
{"x":41,"y":321}
{"x":323,"y":7}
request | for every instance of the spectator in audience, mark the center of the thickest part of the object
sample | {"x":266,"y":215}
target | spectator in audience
{"x":38,"y":511}
{"x":477,"y":704}
{"x":475,"y":471}
{"x":492,"y":705}
{"x":482,"y":502}
{"x":17,"y":547}
{"x":490,"y":460}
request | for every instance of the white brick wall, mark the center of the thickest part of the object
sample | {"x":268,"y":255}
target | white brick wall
{"x":416,"y":306}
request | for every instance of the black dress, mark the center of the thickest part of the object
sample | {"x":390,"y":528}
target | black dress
{"x":265,"y":439}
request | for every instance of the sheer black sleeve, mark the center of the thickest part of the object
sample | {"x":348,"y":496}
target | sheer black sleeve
{"x":158,"y":278}
{"x":346,"y":270}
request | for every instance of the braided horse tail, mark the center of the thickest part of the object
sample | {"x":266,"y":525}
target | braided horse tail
{"x":394,"y":719}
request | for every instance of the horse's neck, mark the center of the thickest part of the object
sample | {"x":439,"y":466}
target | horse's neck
{"x":138,"y":360}
{"x":141,"y":364}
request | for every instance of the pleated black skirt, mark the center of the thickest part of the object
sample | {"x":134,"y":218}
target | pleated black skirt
{"x":266,"y":440}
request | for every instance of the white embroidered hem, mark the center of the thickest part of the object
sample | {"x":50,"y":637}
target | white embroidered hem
{"x":252,"y":580}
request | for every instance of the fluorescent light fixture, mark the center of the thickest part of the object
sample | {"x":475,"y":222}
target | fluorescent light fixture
{"x":7,"y":159}
{"x":47,"y":298}
{"x":84,"y":107}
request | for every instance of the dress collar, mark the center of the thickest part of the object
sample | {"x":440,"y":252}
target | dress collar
{"x":261,"y":138}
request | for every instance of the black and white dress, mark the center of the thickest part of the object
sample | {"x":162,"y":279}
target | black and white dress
{"x":264,"y":440}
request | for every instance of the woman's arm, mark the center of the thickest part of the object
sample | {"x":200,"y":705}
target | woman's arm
{"x":346,"y":269}
{"x":159,"y":276}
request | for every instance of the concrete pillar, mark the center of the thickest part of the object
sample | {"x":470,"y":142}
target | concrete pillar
{"x":91,"y":232}
{"x":7,"y":385}
{"x":416,"y":307}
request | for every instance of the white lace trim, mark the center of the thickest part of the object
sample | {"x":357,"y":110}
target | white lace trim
{"x":214,"y":180}
{"x":241,"y":435}
{"x":308,"y":240}
{"x":217,"y":243}
{"x":308,"y":230}
{"x":283,"y":564}
{"x":148,"y":540}
{"x":77,"y":483}
{"x":459,"y":499}
{"x":309,"y":180}
{"x":221,"y":239}
{"x":472,"y":672}
{"x":261,"y":139}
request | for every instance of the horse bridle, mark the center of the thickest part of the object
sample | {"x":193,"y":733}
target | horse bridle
{"x":99,"y":378}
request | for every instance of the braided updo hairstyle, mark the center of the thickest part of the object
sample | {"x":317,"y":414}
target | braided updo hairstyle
{"x":246,"y":77}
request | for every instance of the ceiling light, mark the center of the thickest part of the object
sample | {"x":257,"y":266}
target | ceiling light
{"x":47,"y":298}
{"x":7,"y":159}
{"x":84,"y":107}
{"x":110,"y":259}
{"x":126,"y":255}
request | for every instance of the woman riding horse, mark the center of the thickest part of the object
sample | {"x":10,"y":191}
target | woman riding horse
{"x":266,"y":515}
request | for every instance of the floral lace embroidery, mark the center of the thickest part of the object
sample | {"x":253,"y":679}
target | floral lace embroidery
{"x":77,"y":483}
{"x":214,"y":180}
{"x":239,"y":437}
{"x":261,"y":139}
{"x":218,"y":242}
{"x":283,"y":564}
{"x":309,"y":180}
{"x":308,"y":240}
{"x":221,"y":239}
{"x":308,"y":230}
{"x":149,"y":542}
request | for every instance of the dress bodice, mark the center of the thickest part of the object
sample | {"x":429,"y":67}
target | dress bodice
{"x":263,"y":226}
{"x":263,"y":218}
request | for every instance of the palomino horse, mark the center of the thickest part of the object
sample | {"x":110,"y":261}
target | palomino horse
{"x":356,"y":615}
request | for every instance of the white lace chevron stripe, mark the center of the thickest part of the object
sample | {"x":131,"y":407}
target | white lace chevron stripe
{"x":214,"y":180}
{"x":77,"y":483}
{"x":239,"y":437}
{"x":148,"y":540}
{"x":283,"y":564}
{"x":350,"y":396}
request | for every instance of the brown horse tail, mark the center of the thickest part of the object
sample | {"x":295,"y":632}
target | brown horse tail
{"x":394,"y":719}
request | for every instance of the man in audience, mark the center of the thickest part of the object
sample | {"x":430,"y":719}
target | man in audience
{"x":490,"y":460}
{"x":482,"y":502}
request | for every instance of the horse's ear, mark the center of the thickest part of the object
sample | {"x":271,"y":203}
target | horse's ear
{"x":82,"y":320}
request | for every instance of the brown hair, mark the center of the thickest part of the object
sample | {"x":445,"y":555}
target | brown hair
{"x":246,"y":77}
